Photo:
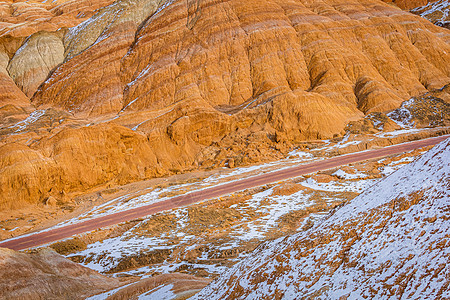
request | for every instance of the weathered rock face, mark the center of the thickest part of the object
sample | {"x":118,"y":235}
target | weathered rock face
{"x":44,"y":274}
{"x":20,"y":19}
{"x":390,"y":241}
{"x":436,"y":11}
{"x":429,"y":110}
{"x":33,"y":61}
{"x":99,"y":44}
{"x":10,"y":93}
{"x":194,"y":84}
{"x":59,"y":164}
{"x":31,"y":38}
{"x":311,"y":69}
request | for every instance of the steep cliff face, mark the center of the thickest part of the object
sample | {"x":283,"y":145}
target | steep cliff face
{"x":195,"y":83}
{"x":390,"y":241}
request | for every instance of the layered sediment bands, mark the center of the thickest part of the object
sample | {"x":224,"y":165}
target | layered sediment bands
{"x":355,"y":57}
{"x":10,"y":93}
{"x":437,"y":12}
{"x":60,"y":163}
{"x":24,"y":18}
{"x":199,"y":84}
{"x":409,"y":4}
{"x":106,"y":22}
{"x":31,"y":43}
{"x":24,"y":175}
{"x":94,"y":74}
{"x":33,"y":62}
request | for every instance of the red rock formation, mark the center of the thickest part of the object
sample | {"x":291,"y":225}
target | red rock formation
{"x":37,"y":28}
{"x":59,"y":163}
{"x":308,"y":61}
{"x":24,"y":18}
{"x":197,"y":83}
{"x":10,"y":93}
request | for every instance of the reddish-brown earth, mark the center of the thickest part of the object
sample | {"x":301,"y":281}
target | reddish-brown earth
{"x":96,"y":94}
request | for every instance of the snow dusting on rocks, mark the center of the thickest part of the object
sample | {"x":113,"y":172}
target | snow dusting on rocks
{"x":392,"y":241}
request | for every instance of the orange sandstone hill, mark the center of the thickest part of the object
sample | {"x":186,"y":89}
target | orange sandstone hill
{"x":114,"y":92}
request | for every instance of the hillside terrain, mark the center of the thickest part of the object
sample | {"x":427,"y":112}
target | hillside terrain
{"x":43,"y":274}
{"x":205,"y":240}
{"x":100,"y":95}
{"x":110,"y":105}
{"x":390,"y":241}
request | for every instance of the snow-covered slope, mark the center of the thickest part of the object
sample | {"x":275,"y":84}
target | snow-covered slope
{"x":392,"y":241}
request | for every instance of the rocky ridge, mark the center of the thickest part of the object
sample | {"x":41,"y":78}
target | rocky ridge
{"x":187,"y":85}
{"x":389,"y":241}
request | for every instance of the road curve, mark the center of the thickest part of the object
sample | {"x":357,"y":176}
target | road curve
{"x":45,"y":237}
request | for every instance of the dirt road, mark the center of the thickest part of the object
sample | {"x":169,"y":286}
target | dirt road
{"x":53,"y":235}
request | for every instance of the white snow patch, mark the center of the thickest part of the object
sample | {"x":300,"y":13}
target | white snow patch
{"x":397,"y":132}
{"x":335,"y":186}
{"x":105,"y":295}
{"x":300,"y":154}
{"x":433,"y":8}
{"x":32,"y":118}
{"x":161,"y":293}
{"x":344,"y":175}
